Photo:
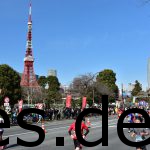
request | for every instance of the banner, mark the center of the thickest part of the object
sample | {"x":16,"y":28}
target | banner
{"x":20,"y":104}
{"x":68,"y":101}
{"x":83,"y":102}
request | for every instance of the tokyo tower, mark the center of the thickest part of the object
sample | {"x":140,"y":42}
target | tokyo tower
{"x":28,"y":77}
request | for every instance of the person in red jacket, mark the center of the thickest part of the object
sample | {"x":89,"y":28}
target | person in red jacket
{"x":120,"y":111}
{"x":72,"y":134}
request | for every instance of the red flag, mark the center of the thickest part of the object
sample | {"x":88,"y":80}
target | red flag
{"x":20,"y":104}
{"x":83,"y":102}
{"x":68,"y":101}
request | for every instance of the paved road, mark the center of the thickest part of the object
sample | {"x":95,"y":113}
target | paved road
{"x":59,"y":129}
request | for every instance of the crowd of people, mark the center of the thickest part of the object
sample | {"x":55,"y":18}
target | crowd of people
{"x":139,"y":134}
{"x":50,"y":114}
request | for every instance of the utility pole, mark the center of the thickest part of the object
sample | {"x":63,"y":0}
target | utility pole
{"x":93,"y":97}
{"x":122,"y":94}
{"x":122,"y":91}
{"x":28,"y":97}
{"x":86,"y":86}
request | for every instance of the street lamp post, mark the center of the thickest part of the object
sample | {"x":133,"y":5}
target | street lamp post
{"x":122,"y":95}
{"x":122,"y":91}
{"x":45,"y":93}
{"x":93,"y":87}
{"x":93,"y":97}
{"x":28,"y":98}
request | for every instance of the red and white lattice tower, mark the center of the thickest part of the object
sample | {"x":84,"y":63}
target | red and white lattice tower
{"x":28,"y":77}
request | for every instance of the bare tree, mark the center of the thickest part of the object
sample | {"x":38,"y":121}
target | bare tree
{"x":33,"y":95}
{"x":87,"y":85}
{"x":81,"y":84}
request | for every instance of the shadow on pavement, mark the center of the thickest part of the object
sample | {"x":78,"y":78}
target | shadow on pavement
{"x":12,"y":145}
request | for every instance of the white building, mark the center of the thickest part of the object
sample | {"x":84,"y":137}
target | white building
{"x":52,"y":72}
{"x":130,"y":87}
{"x":65,"y":88}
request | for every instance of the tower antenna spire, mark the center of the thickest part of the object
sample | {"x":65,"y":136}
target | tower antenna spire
{"x":30,"y":11}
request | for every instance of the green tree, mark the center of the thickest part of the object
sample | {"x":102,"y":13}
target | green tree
{"x":89,"y":101}
{"x":9,"y":84}
{"x":42,"y":81}
{"x":108,"y":78}
{"x":137,"y":88}
{"x":76,"y":103}
{"x":53,"y":90}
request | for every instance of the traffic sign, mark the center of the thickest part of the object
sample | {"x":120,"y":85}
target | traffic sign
{"x":8,"y":109}
{"x":6,"y":104}
{"x":6,"y":100}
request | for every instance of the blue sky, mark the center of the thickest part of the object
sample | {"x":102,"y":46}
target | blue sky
{"x":78,"y":36}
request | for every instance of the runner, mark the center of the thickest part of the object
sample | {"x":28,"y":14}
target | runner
{"x":40,"y":119}
{"x":130,"y":120}
{"x":88,"y":123}
{"x":72,"y":134}
{"x":139,"y":134}
{"x":120,"y":111}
